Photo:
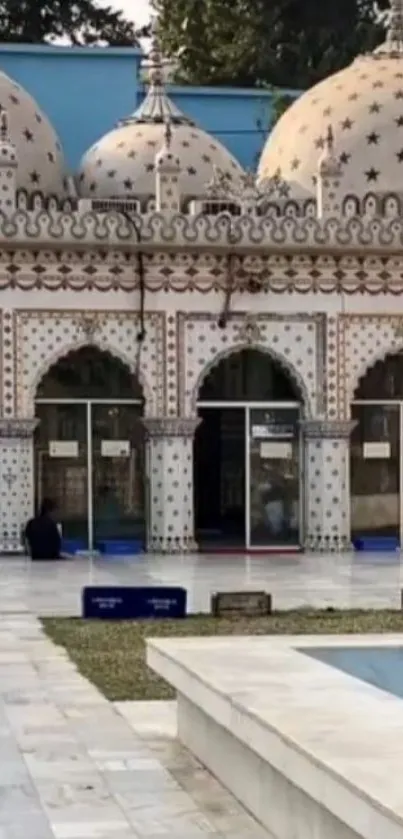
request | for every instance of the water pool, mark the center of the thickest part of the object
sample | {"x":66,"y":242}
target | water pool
{"x":378,"y":666}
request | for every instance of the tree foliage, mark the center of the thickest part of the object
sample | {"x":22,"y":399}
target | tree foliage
{"x":78,"y":21}
{"x":284,"y":43}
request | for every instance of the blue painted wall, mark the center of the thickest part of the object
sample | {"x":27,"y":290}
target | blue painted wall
{"x":85,"y":90}
{"x":231,"y":114}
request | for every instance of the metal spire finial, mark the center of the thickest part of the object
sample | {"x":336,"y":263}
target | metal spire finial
{"x":168,"y":133}
{"x":395,"y":28}
{"x":157,"y":107}
{"x":393,"y":44}
{"x":4,"y":126}
{"x":329,"y":139}
{"x":155,"y":66}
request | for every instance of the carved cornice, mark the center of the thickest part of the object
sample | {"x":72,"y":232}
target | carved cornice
{"x":275,"y":273}
{"x":171,"y":427}
{"x":323,"y":429}
{"x":17,"y":428}
{"x":219,"y":233}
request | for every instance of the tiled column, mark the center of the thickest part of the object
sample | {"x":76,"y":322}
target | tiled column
{"x":170,"y":485}
{"x":16,"y":481}
{"x":327,"y":484}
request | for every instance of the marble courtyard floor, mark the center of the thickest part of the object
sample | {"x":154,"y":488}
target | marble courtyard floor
{"x":345,"y":581}
{"x":73,"y":765}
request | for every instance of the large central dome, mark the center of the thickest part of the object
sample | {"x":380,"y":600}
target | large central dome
{"x":364,"y":106}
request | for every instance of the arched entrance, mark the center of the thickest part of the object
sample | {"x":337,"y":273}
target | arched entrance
{"x":247,"y":476}
{"x":376,"y":452}
{"x":89,"y":450}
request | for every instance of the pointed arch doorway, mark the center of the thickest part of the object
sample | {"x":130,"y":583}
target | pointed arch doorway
{"x":89,"y":449}
{"x":376,"y":469}
{"x":247,"y":456}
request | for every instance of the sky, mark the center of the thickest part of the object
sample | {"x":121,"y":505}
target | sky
{"x":137,"y":10}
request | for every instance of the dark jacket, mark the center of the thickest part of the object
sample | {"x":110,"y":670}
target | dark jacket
{"x":43,"y":537}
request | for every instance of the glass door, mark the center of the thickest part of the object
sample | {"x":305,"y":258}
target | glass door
{"x":118,"y":472}
{"x":273,"y":491}
{"x":376,"y":470}
{"x":61,"y":466}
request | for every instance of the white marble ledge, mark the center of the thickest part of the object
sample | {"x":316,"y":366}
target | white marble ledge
{"x":333,"y":736}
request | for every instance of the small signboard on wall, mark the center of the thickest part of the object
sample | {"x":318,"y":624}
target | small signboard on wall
{"x":376,"y":451}
{"x":115,"y":448}
{"x":63,"y":448}
{"x":276,"y":451}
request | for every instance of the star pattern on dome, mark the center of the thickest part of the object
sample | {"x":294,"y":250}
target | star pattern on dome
{"x":365,"y":103}
{"x":131,"y":169}
{"x":124,"y":160}
{"x":38,"y":152}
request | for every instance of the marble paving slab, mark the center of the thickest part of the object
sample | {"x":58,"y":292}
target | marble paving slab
{"x":74,"y":766}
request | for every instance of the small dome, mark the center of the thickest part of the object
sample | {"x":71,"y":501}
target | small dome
{"x":41,"y":166}
{"x":364,"y":105}
{"x":122,"y":164}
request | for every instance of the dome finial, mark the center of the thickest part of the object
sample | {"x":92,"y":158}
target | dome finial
{"x":157,"y":106}
{"x":393,"y":44}
{"x":329,"y":140}
{"x":155,"y":66}
{"x":395,"y":29}
{"x":4,"y":127}
{"x":168,"y":133}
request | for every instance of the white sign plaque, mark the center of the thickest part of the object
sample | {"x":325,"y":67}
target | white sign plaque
{"x":63,"y":448}
{"x":376,"y":451}
{"x":276,"y":451}
{"x":115,"y":448}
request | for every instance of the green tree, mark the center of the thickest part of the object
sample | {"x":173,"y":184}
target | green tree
{"x":79,"y":21}
{"x":284,"y":43}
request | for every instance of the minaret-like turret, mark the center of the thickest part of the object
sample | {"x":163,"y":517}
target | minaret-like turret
{"x":8,"y":167}
{"x":167,"y":174}
{"x":329,"y":180}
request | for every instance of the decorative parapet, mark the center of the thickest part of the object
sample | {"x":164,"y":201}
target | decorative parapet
{"x":17,"y":428}
{"x":171,"y":427}
{"x":323,"y":429}
{"x":221,"y":233}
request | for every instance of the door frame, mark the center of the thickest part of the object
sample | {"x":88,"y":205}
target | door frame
{"x":399,"y":404}
{"x":247,"y":406}
{"x":89,"y":403}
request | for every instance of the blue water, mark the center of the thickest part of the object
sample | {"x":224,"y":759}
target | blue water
{"x":378,"y":666}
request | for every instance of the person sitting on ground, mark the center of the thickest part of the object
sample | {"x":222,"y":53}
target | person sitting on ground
{"x":42,"y":533}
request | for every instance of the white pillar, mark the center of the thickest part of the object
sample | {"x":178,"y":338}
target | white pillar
{"x":327,"y":484}
{"x":170,"y":485}
{"x":16,"y":481}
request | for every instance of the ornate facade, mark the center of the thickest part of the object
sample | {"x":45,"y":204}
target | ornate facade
{"x":163,"y":254}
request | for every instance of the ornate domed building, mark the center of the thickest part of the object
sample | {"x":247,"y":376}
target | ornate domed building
{"x":121,"y":165}
{"x":193,"y":358}
{"x":41,"y":165}
{"x":364,"y":105}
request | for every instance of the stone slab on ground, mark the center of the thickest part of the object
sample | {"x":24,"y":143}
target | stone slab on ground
{"x":308,"y":749}
{"x":73,"y":766}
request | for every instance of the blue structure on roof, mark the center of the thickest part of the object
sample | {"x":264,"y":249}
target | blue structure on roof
{"x":84,"y":91}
